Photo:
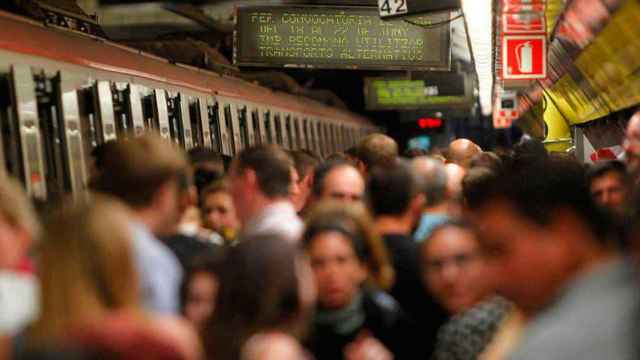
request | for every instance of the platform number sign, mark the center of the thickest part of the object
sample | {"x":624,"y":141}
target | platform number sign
{"x":392,"y":7}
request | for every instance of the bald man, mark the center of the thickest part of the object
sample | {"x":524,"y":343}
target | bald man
{"x":631,"y":145}
{"x":462,"y":151}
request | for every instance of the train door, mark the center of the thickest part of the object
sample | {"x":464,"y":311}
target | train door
{"x":297,"y":129}
{"x":313,"y":136}
{"x":257,"y":122}
{"x":199,"y":115}
{"x":278,"y":122}
{"x":104,"y":114}
{"x":292,"y":119}
{"x":127,"y":108}
{"x":233,"y":125}
{"x":222,"y":127}
{"x":24,"y":133}
{"x":246,"y":126}
{"x":286,"y":119}
{"x":73,"y":142}
{"x":306,"y":134}
{"x":319,"y":136}
{"x":270,"y":126}
{"x":161,"y":113}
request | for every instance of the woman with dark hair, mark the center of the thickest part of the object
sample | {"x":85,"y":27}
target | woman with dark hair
{"x":354,"y":319}
{"x":264,"y":300}
{"x":199,"y":289}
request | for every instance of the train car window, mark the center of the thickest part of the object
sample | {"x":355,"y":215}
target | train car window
{"x":8,"y":135}
{"x":47,"y":95}
{"x":223,"y":130}
{"x":258,"y":126}
{"x":244,"y":131}
{"x":306,"y":136}
{"x":161,"y":113}
{"x":297,"y":131}
{"x":288,"y":133}
{"x":279,"y":132}
{"x":27,"y":124}
{"x":196,"y":123}
{"x":319,"y":136}
{"x":270,"y":127}
{"x":121,"y":109}
{"x":214,"y":125}
{"x":174,"y":110}
{"x":228,"y":122}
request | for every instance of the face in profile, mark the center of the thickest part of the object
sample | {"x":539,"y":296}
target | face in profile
{"x":219,"y":212}
{"x":530,"y":262}
{"x":201,"y":298}
{"x":454,"y":270}
{"x":338,"y":271}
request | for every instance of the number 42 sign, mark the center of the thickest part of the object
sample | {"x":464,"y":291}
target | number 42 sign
{"x":389,"y":8}
{"x":392,"y":7}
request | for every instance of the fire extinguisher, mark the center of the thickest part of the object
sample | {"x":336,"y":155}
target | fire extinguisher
{"x":524,"y":55}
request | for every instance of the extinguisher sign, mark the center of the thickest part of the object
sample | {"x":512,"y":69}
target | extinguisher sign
{"x":524,"y":57}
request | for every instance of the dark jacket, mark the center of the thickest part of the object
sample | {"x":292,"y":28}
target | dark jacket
{"x":383,"y":319}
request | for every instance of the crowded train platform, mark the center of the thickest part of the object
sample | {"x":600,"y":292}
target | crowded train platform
{"x":319,"y":180}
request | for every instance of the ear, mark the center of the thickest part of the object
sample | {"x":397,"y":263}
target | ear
{"x":361,"y":167}
{"x":307,"y":182}
{"x":568,"y":228}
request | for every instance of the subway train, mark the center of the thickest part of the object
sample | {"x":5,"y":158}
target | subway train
{"x":62,"y":93}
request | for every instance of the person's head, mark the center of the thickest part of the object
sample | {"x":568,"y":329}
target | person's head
{"x":453,"y":268}
{"x":259,"y":174}
{"x":486,"y":159}
{"x":199,"y":289}
{"x":151,"y":175}
{"x":339,"y":181}
{"x":217,"y":209}
{"x":539,"y":228}
{"x":434,"y":180}
{"x":631,"y":144}
{"x":208,"y":166}
{"x":609,"y":185}
{"x":305,"y":163}
{"x":344,"y":253}
{"x":475,"y":183}
{"x":461,"y":151}
{"x":376,"y":150}
{"x":395,"y":191}
{"x":18,"y":224}
{"x":86,"y":267}
{"x":528,"y":150}
{"x":455,"y":174}
{"x":265,"y":285}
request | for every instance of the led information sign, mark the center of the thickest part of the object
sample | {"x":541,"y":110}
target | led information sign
{"x":339,"y":38}
{"x":403,"y":94}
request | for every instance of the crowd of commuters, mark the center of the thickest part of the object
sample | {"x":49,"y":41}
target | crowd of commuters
{"x":365,"y":255}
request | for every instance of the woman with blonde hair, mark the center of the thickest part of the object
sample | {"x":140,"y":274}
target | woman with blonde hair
{"x":354,"y":318}
{"x":90,"y":289}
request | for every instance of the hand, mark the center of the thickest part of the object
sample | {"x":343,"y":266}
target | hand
{"x":366,"y":347}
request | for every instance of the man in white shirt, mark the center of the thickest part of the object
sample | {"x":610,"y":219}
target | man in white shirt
{"x":149,"y":173}
{"x":260,"y":183}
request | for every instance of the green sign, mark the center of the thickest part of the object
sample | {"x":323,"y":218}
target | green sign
{"x":339,"y":37}
{"x":400,"y":94}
